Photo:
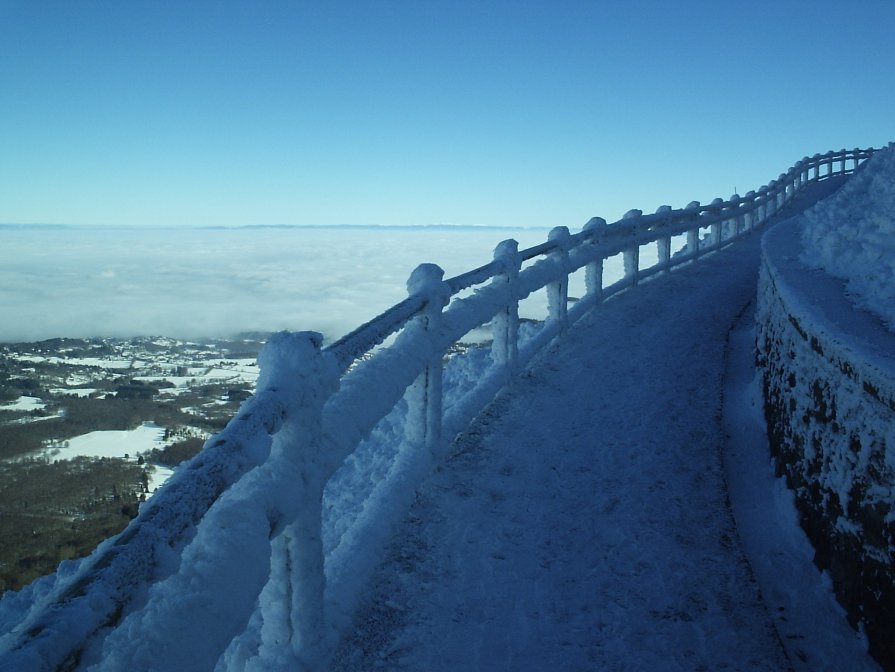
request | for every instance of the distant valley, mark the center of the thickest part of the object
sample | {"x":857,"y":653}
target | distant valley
{"x":90,"y":427}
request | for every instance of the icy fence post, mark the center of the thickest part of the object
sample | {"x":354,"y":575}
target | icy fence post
{"x":733,"y":224}
{"x":771,"y":206}
{"x":762,"y":205}
{"x":749,"y":216}
{"x":828,"y":161}
{"x":715,"y":231}
{"x":631,"y":255}
{"x":505,"y":330}
{"x":593,"y":271}
{"x":558,"y":292}
{"x":816,"y":160}
{"x":663,"y":244}
{"x":293,"y":364}
{"x":693,"y":234}
{"x":424,"y":410}
{"x":804,"y":172}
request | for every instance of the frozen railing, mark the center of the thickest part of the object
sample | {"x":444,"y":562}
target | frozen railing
{"x":313,"y":406}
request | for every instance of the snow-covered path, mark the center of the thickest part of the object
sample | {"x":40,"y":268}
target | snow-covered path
{"x":583,"y":523}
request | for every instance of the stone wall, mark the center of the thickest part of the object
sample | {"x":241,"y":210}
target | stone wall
{"x":829,"y":385}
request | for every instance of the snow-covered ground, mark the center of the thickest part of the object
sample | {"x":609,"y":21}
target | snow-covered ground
{"x":117,"y":443}
{"x":584,"y":522}
{"x":23,"y":404}
{"x":852,"y":236}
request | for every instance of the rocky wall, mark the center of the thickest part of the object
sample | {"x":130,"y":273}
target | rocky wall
{"x":829,"y":389}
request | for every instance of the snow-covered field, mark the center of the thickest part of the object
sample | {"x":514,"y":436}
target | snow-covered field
{"x":116,"y":443}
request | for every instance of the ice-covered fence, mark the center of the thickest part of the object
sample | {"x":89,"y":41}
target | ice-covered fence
{"x":238,"y":531}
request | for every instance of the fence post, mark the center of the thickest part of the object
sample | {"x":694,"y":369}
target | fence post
{"x":558,"y":292}
{"x":294,"y":365}
{"x":593,"y":271}
{"x":733,"y":224}
{"x":749,"y":217}
{"x":663,"y":244}
{"x":715,"y":231}
{"x":693,"y":234}
{"x":505,"y":329}
{"x":423,"y":426}
{"x":631,"y":255}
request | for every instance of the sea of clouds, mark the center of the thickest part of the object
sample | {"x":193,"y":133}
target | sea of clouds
{"x":193,"y":283}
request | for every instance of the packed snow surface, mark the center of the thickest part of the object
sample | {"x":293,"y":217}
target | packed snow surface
{"x":583,"y":522}
{"x":852,"y":235}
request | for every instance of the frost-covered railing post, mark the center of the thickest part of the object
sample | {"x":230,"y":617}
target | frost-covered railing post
{"x":714,"y":211}
{"x":771,"y":205}
{"x":731,"y":228}
{"x":424,"y":412}
{"x":815,"y":166}
{"x":294,"y":365}
{"x":762,"y":204}
{"x":749,"y":217}
{"x":505,"y":330}
{"x":663,"y":243}
{"x":558,"y":292}
{"x":593,"y":271}
{"x":778,"y":194}
{"x":693,"y":232}
{"x":829,"y":162}
{"x":631,"y":254}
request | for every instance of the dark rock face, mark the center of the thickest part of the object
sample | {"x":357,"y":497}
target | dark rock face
{"x":831,"y":427}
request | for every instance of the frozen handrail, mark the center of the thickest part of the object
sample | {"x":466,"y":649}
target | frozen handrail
{"x":58,"y":627}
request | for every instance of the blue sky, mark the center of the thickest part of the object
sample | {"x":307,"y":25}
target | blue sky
{"x":393,"y":112}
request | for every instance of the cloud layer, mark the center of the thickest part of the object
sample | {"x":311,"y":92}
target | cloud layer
{"x":190,"y":283}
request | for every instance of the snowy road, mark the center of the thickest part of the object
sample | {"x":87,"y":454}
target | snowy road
{"x":583,"y":523}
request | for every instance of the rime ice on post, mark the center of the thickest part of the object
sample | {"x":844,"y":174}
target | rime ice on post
{"x":558,"y":292}
{"x":631,"y":255}
{"x":424,"y":395}
{"x":749,"y":218}
{"x":293,"y":365}
{"x":593,"y":272}
{"x":693,"y":234}
{"x":715,"y":212}
{"x":505,"y":331}
{"x":664,"y":244}
{"x":734,"y":226}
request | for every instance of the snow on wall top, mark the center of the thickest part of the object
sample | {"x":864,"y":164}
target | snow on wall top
{"x":851,"y":235}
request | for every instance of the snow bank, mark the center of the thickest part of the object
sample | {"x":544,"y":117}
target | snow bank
{"x":852,"y":235}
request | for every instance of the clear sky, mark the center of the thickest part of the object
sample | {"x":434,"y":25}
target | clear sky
{"x":420,"y":112}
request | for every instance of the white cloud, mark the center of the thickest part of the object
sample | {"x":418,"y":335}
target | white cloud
{"x":80,"y":282}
